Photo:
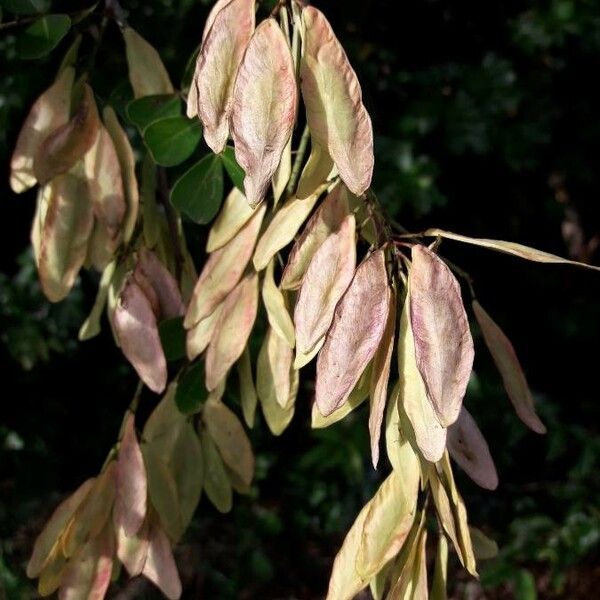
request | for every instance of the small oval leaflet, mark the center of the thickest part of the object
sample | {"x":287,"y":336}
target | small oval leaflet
{"x":172,"y":140}
{"x":42,"y":36}
{"x":198,"y":192}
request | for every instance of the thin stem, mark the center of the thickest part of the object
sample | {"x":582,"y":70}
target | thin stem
{"x":136,"y":397}
{"x":26,"y":20}
{"x":291,"y":186}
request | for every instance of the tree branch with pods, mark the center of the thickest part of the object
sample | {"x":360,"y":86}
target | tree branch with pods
{"x":377,"y":309}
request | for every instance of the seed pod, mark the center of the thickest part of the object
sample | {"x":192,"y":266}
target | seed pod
{"x":211,"y":91}
{"x":276,"y":382}
{"x":327,"y":278}
{"x":105,"y":184}
{"x":335,"y":112}
{"x":53,"y":528}
{"x":327,"y":219}
{"x":443,"y":344}
{"x":88,"y":573}
{"x":506,"y":360}
{"x":222,"y":271}
{"x":230,"y":438}
{"x":49,"y":113}
{"x":147,"y":72}
{"x":135,"y":325}
{"x":63,"y":235}
{"x":468,"y":448}
{"x":163,"y":283}
{"x":265,"y":100}
{"x":160,"y":567}
{"x":130,"y":501}
{"x":232,"y":330}
{"x":127,"y":165}
{"x":358,"y":324}
{"x":380,"y":378}
{"x":234,"y":214}
{"x":66,"y":145}
{"x":429,"y":435}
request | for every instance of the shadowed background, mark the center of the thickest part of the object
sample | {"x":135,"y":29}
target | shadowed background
{"x":486,"y":122}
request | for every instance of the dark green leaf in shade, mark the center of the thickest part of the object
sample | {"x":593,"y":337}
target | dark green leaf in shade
{"x":172,"y":140}
{"x":172,"y":338}
{"x":191,"y":391}
{"x":42,"y":36}
{"x":188,"y":72}
{"x":120,"y":97}
{"x":25,"y":7}
{"x":198,"y":193}
{"x":144,"y":111}
{"x":235,"y":172}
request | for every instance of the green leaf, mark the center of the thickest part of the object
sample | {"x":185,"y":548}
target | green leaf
{"x":172,"y":140}
{"x":172,"y":338}
{"x":120,"y":97}
{"x":191,"y":391}
{"x":146,"y":110}
{"x":25,"y":7}
{"x":198,"y":193}
{"x":188,"y":72}
{"x":235,"y":172}
{"x":525,"y":588}
{"x":42,"y":36}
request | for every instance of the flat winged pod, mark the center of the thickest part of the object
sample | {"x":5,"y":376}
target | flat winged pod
{"x":512,"y":248}
{"x":230,"y":438}
{"x":468,"y":448}
{"x":234,"y":214}
{"x":137,"y":331}
{"x":67,"y":144}
{"x":132,"y":550}
{"x":443,"y":343}
{"x":164,"y":285}
{"x":105,"y":189}
{"x":276,"y":382}
{"x":127,"y":165}
{"x":147,"y":72}
{"x":327,"y":278}
{"x":49,"y":113}
{"x":380,"y":376}
{"x":283,"y":227}
{"x":221,"y":53}
{"x":265,"y":100}
{"x":63,"y":235}
{"x":88,"y":573}
{"x":358,"y":324}
{"x":232,"y":330}
{"x":223,"y":270}
{"x":276,"y":307}
{"x":506,"y":360}
{"x":132,"y":489}
{"x":199,"y":336}
{"x":327,"y":218}
{"x":335,"y":112}
{"x":160,"y":567}
{"x":376,"y":535}
{"x":429,"y":435}
{"x":54,"y":527}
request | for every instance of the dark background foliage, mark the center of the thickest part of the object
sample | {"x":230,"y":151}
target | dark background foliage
{"x":486,"y":122}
